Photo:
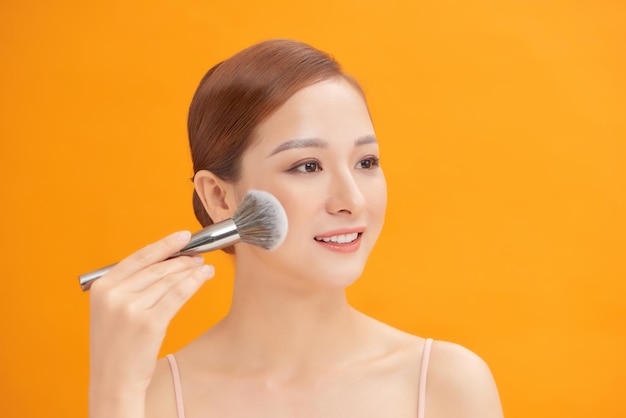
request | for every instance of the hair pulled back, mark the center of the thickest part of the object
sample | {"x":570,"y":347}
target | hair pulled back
{"x":236,"y":95}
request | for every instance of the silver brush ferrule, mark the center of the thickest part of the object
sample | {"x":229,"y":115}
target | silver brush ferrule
{"x":213,"y":237}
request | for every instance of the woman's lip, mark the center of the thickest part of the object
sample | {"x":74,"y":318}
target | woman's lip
{"x":346,"y":247}
{"x":343,"y":231}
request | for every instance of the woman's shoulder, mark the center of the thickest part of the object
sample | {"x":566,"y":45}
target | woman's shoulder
{"x":460,"y":383}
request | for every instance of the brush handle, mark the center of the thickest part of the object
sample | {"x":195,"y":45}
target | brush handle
{"x":213,"y":237}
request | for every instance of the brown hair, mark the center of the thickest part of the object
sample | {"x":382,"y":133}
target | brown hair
{"x":236,"y":95}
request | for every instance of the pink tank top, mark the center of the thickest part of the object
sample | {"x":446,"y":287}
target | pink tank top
{"x":421,"y":395}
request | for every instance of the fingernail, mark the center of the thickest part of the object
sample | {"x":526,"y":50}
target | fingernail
{"x":198,"y":259}
{"x":182,"y":236}
{"x":207,"y":271}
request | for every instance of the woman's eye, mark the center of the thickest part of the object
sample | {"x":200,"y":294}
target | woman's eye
{"x":308,"y":167}
{"x":368,"y":163}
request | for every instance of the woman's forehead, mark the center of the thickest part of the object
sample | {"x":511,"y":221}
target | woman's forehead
{"x":324,"y":111}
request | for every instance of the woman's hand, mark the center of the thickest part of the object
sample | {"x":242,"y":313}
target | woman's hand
{"x":131,"y":307}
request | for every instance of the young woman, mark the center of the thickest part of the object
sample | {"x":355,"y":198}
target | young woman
{"x":281,"y":117}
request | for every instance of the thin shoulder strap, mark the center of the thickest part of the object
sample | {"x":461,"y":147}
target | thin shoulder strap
{"x":421,"y":394}
{"x":178,"y":390}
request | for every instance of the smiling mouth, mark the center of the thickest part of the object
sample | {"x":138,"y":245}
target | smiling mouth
{"x":340,"y":239}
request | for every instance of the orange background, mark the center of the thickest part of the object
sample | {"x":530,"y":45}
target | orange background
{"x":503,"y":135}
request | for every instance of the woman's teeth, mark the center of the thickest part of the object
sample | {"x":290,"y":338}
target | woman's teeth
{"x":339,"y":239}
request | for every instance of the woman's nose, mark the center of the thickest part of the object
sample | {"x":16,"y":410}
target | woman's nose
{"x":345,"y":195}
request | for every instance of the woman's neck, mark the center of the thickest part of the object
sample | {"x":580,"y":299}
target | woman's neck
{"x":290,"y":330}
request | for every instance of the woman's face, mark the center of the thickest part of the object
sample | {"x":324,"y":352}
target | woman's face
{"x":319,"y":156}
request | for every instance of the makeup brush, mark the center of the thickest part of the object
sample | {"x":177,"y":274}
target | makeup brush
{"x":259,"y":220}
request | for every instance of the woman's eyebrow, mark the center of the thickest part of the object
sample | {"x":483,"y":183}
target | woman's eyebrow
{"x":364,"y":140}
{"x":299,"y":143}
{"x":317,"y":143}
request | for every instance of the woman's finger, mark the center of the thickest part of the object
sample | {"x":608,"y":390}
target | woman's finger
{"x":149,"y":255}
{"x":176,"y":296}
{"x":159,"y":272}
{"x":150,"y":295}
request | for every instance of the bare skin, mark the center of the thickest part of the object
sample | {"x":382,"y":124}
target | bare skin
{"x":291,"y":346}
{"x":131,"y":308}
{"x":379,"y":380}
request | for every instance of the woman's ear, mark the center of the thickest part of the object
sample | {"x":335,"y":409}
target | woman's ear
{"x":216,"y":195}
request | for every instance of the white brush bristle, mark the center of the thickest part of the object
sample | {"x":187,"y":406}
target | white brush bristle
{"x":261,"y":220}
